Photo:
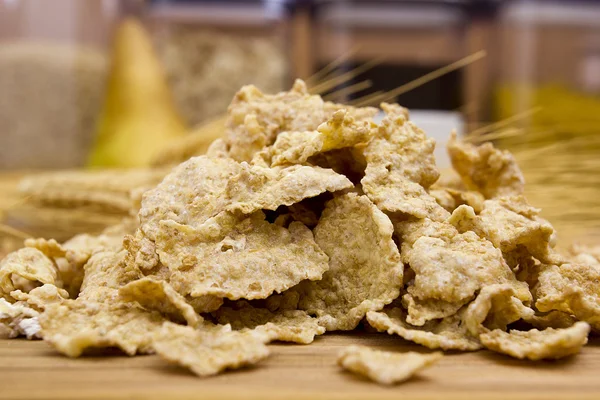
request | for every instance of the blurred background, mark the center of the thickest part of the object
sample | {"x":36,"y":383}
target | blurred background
{"x":144,"y":84}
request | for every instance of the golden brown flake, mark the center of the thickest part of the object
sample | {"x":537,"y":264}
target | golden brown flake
{"x":239,"y":257}
{"x":385,"y":367}
{"x":24,"y":270}
{"x":75,"y":325}
{"x":159,"y":296}
{"x":491,"y":171}
{"x":209,"y":351}
{"x":449,"y":333}
{"x":400,"y":169}
{"x":571,"y":288}
{"x":538,"y":345}
{"x":449,"y":267}
{"x":255,"y":119}
{"x":510,"y":223}
{"x":365,"y":270}
{"x":495,"y":308}
{"x":284,"y":325}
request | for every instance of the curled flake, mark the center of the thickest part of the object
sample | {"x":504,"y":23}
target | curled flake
{"x":24,"y":270}
{"x":449,"y":333}
{"x":209,"y":351}
{"x":284,"y":325}
{"x":538,"y":345}
{"x":105,"y":273}
{"x":255,"y":119}
{"x":203,"y":187}
{"x":341,"y":131}
{"x":256,"y":188}
{"x":491,"y":171}
{"x":385,"y":367}
{"x":450,"y":267}
{"x":365,"y":270}
{"x":571,"y":288}
{"x":190,"y":194}
{"x":159,"y":296}
{"x":400,"y":169}
{"x":510,"y":223}
{"x":75,"y":325}
{"x":239,"y":257}
{"x":495,"y":308}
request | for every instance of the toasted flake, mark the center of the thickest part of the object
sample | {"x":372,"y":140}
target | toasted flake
{"x":256,"y":188}
{"x":24,"y":270}
{"x":449,"y":267}
{"x":400,"y":168}
{"x":509,"y":223}
{"x":571,"y":288}
{"x":448,"y":334}
{"x":190,"y":194}
{"x":491,"y":171}
{"x":495,"y":308}
{"x":553,"y":319}
{"x":285,"y":325}
{"x":209,"y":352}
{"x":41,"y":296}
{"x":365,"y":270}
{"x":383,"y":366}
{"x":70,"y":257}
{"x":339,"y":132}
{"x":76,"y":325}
{"x":255,"y":119}
{"x":159,"y":296}
{"x":538,"y":345}
{"x":239,"y":257}
{"x":105,"y":273}
{"x":203,"y":187}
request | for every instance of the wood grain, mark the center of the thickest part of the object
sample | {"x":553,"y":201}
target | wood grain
{"x":33,"y":370}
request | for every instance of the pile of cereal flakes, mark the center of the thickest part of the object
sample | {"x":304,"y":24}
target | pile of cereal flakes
{"x":309,"y":217}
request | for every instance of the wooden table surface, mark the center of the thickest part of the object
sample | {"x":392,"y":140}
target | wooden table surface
{"x":33,"y":370}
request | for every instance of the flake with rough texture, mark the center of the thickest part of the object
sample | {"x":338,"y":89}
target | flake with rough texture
{"x":75,"y":325}
{"x":538,"y":345}
{"x":255,"y":119}
{"x":449,"y":333}
{"x":570,"y":288}
{"x":190,"y":194}
{"x":105,"y":273}
{"x":553,"y":319}
{"x":285,"y":325}
{"x":509,"y":223}
{"x":400,"y":168}
{"x":257,"y":188}
{"x":494,"y":308}
{"x":239,"y":257}
{"x":383,"y":366}
{"x":159,"y":296}
{"x":491,"y":171}
{"x":450,"y":267}
{"x":341,"y":131}
{"x":24,"y":270}
{"x":208,"y":352}
{"x":365,"y":270}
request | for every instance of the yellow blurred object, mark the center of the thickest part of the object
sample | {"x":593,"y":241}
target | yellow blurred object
{"x":139,"y":116}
